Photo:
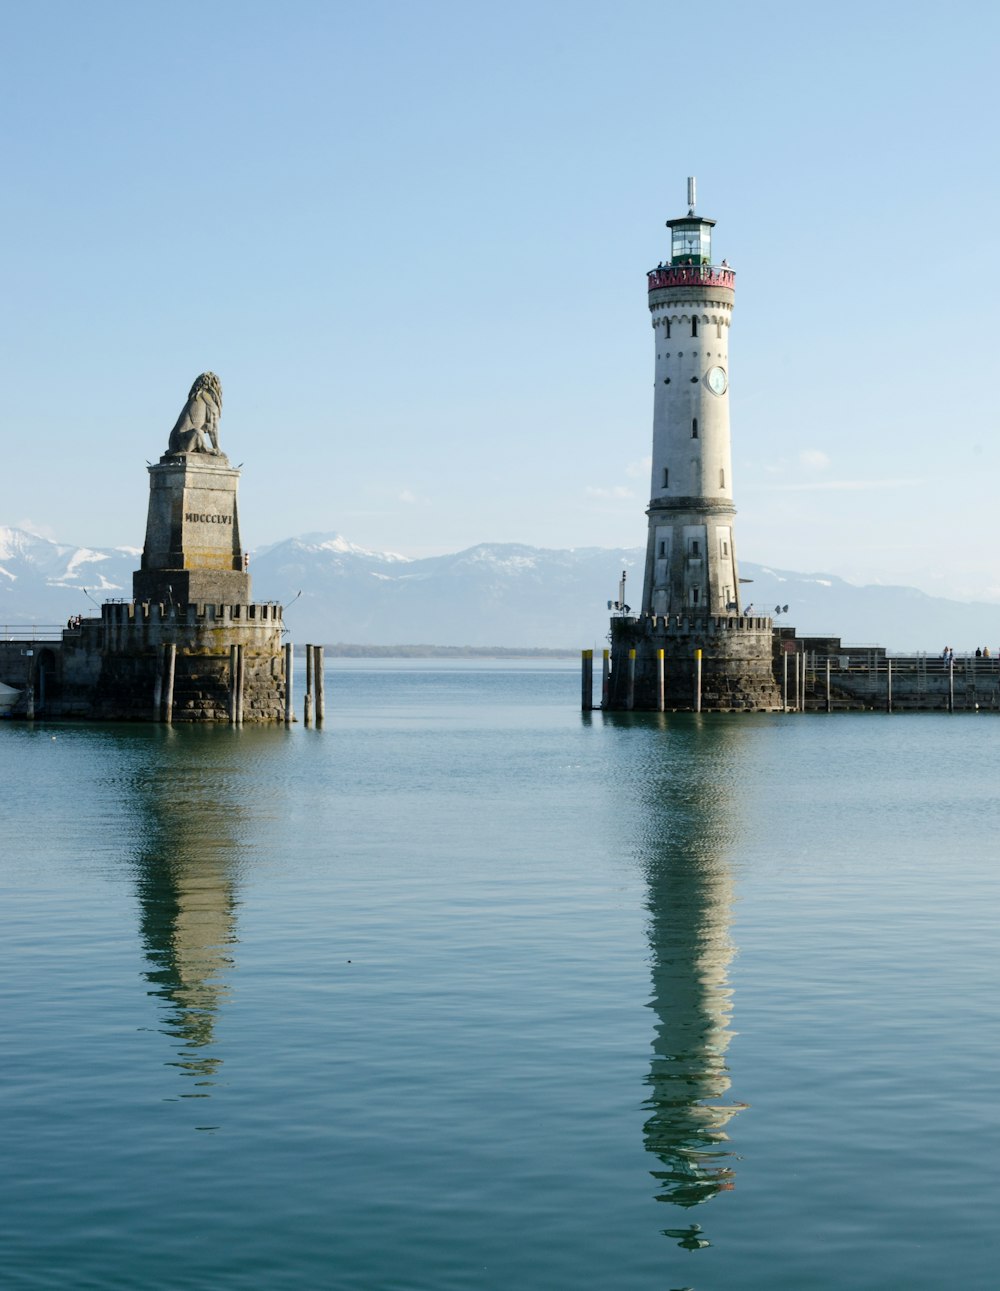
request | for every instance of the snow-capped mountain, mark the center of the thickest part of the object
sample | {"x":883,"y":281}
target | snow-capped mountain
{"x":494,"y":594}
{"x":43,"y":581}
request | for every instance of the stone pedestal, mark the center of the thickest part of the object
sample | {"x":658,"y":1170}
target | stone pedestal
{"x":192,"y":552}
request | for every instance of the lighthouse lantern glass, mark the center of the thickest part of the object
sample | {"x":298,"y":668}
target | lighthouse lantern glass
{"x":691,"y":243}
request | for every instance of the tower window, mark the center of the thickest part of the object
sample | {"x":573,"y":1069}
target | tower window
{"x":694,"y":595}
{"x":694,"y":327}
{"x":694,"y":427}
{"x":668,"y":329}
{"x":663,"y":548}
{"x":722,"y":479}
{"x":725,"y":547}
{"x":666,"y":479}
{"x":695,"y":547}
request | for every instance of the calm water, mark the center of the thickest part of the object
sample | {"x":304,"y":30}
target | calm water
{"x":468,"y":990}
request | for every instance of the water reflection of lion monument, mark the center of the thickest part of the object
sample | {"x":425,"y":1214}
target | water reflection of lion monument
{"x":197,"y":428}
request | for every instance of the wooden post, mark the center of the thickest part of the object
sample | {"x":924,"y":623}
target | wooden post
{"x":796,"y":706}
{"x":605,"y":678}
{"x":241,"y":673}
{"x":662,"y":679}
{"x":29,"y":711}
{"x":630,"y":699}
{"x":234,"y":682}
{"x":888,"y":685}
{"x":318,"y":683}
{"x":802,"y":694}
{"x":586,"y":680}
{"x":307,"y":703}
{"x":289,"y":672}
{"x":784,"y":682}
{"x":168,"y":699}
{"x":951,"y":684}
{"x":697,"y":681}
{"x":158,"y":685}
{"x":829,"y":700}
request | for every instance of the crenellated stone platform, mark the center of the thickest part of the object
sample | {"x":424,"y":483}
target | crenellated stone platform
{"x":737,"y":669}
{"x":211,"y":663}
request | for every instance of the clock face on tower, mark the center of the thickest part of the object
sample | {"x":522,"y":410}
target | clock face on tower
{"x":717,"y":380}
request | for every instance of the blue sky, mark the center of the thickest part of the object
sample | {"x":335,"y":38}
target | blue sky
{"x":412,"y":241}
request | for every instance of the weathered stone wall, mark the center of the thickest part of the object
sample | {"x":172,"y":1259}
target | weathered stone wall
{"x":736,"y":666}
{"x":107,"y":668}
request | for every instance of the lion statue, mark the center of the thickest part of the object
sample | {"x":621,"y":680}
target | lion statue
{"x":197,"y":428}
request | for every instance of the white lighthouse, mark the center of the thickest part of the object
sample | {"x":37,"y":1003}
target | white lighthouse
{"x":692,"y":644}
{"x":691,"y":556}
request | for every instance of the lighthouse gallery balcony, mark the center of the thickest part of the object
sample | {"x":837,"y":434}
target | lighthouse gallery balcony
{"x":691,"y":275}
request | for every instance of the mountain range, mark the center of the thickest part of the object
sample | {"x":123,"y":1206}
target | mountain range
{"x":493,"y":594}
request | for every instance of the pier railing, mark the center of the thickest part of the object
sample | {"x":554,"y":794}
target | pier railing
{"x":32,"y":631}
{"x":873,"y":680}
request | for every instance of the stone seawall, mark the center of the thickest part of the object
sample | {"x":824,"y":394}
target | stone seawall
{"x":900,"y":683}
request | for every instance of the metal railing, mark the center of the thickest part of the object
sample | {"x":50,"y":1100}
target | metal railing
{"x":32,"y":631}
{"x":683,"y":275}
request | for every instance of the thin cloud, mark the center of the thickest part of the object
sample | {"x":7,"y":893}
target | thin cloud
{"x":616,"y":491}
{"x":838,"y":486}
{"x":39,"y":530}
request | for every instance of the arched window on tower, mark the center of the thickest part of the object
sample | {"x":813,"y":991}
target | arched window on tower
{"x":694,"y":327}
{"x":668,"y":329}
{"x":694,"y":427}
{"x":666,"y":478}
{"x":722,"y":478}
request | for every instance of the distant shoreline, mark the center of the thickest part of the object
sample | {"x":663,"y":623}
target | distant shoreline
{"x":342,"y":650}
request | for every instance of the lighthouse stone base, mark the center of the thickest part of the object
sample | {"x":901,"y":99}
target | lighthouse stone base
{"x":737,"y":669}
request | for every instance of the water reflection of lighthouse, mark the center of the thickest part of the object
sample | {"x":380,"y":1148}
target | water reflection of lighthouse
{"x":688,"y":833}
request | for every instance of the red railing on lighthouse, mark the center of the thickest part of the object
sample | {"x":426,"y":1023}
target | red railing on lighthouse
{"x":692,"y":275}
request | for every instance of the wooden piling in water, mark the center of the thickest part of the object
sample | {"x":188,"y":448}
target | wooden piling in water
{"x":158,"y":686}
{"x":307,"y":703}
{"x":241,"y":672}
{"x":888,"y":685}
{"x":168,"y":698}
{"x":234,"y":682}
{"x":697,"y":681}
{"x":829,"y":699}
{"x":289,"y":677}
{"x":586,"y":680}
{"x":630,"y":698}
{"x":661,"y":679}
{"x":605,"y":678}
{"x":318,"y":683}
